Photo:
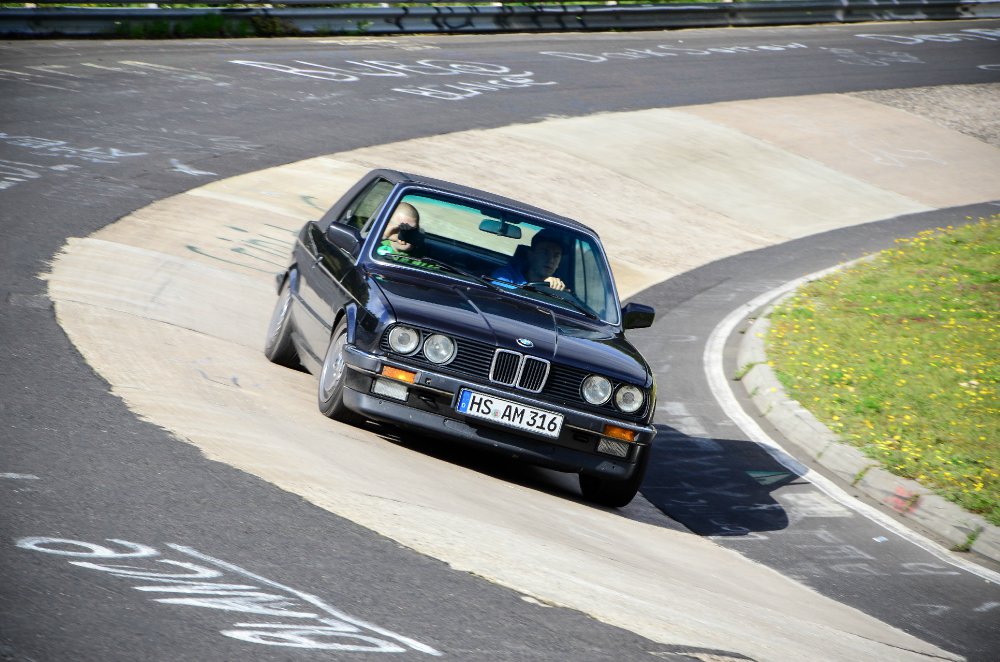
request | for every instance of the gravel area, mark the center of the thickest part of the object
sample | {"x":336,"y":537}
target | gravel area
{"x":969,"y":109}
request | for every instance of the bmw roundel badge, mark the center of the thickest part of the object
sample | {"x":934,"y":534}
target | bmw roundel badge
{"x":524,"y":342}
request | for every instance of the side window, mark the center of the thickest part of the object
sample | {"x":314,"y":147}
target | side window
{"x":366,"y":205}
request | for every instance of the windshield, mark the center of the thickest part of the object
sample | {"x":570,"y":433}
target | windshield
{"x":493,"y":246}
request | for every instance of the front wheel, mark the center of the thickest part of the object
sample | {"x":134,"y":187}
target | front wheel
{"x":615,"y":493}
{"x":278,"y":347}
{"x":332,"y":378}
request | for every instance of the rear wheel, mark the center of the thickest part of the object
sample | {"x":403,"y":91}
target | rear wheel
{"x":332,"y":378}
{"x":278,"y":347}
{"x":615,"y":493}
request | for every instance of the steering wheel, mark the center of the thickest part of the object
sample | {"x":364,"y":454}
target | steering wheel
{"x":542,"y":283}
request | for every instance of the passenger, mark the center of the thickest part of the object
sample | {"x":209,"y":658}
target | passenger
{"x":402,"y":233}
{"x":539,"y":264}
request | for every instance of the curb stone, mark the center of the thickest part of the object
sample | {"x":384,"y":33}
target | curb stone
{"x":905,"y":497}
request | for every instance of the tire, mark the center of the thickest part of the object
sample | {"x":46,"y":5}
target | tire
{"x":332,"y":377}
{"x":615,"y":493}
{"x":278,"y":347}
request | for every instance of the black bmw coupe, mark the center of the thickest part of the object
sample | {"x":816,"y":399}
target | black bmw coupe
{"x":444,"y":309}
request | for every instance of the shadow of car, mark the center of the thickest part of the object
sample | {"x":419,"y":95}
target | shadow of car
{"x":455,"y":312}
{"x":719,"y":487}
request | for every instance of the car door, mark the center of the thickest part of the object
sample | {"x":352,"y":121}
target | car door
{"x":326,"y":265}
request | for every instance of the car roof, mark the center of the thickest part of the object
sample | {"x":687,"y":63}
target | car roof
{"x":398,"y":177}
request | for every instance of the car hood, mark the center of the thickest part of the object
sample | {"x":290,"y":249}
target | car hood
{"x":501,"y":320}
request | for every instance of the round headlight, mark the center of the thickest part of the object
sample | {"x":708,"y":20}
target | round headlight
{"x":439,"y":349}
{"x":403,"y":339}
{"x":628,"y":399}
{"x":596,"y":389}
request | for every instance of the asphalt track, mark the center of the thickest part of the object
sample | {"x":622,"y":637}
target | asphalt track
{"x":184,"y":357}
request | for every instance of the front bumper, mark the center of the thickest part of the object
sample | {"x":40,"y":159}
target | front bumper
{"x":430,"y":407}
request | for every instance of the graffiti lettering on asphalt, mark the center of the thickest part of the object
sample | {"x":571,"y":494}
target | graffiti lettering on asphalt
{"x":285,"y":616}
{"x":458,"y":91}
{"x":13,"y":173}
{"x":843,"y":55}
{"x":873,"y":58}
{"x":63,"y":149}
{"x":189,"y":170}
{"x":970,"y":34}
{"x":488,"y":77}
{"x":664,"y":50}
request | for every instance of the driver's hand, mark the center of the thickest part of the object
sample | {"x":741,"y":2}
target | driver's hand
{"x":555,"y":283}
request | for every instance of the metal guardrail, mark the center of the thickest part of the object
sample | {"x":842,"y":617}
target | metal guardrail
{"x":336,"y":17}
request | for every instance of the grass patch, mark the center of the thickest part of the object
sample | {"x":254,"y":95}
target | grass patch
{"x":900,"y":356}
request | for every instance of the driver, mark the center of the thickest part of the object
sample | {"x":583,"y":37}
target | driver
{"x":541,"y":261}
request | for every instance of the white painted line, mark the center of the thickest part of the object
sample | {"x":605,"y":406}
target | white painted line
{"x":722,"y":390}
{"x":19,"y":476}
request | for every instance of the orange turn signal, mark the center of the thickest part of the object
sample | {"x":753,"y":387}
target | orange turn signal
{"x":616,"y":432}
{"x":401,"y":375}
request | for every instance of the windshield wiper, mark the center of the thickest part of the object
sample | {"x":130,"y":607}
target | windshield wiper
{"x":557,"y":294}
{"x":489,"y":281}
{"x":450,"y":267}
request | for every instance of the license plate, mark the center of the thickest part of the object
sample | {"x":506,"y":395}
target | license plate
{"x":510,"y":414}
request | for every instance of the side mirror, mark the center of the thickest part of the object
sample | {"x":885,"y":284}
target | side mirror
{"x":345,"y":237}
{"x":637,"y":316}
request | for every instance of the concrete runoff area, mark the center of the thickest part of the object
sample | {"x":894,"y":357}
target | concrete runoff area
{"x":170,"y":306}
